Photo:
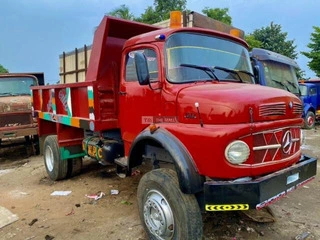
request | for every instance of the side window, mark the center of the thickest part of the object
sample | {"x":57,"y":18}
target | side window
{"x":131,"y":74}
{"x":313,"y":91}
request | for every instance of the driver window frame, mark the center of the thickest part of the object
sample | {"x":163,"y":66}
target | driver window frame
{"x":129,"y":57}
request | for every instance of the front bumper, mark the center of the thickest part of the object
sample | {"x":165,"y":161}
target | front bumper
{"x":260,"y":192}
{"x":18,"y":132}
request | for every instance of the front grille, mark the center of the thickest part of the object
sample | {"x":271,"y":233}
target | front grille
{"x":272,"y":109}
{"x":275,"y":145}
{"x":12,"y":120}
{"x":297,"y":108}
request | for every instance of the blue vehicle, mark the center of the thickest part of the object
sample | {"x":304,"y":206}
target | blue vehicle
{"x":310,"y":95}
{"x":278,"y":71}
{"x":274,"y":70}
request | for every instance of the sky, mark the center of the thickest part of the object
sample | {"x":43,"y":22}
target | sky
{"x":34,"y":33}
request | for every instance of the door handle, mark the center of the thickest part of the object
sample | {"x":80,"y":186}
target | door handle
{"x":122,"y":93}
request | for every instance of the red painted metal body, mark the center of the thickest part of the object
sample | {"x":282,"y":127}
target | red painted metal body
{"x":229,"y":111}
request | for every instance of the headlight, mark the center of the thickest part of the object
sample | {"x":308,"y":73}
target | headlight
{"x":237,"y":152}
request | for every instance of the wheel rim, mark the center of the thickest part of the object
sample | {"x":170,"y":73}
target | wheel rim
{"x":49,"y":158}
{"x":158,"y":215}
{"x":310,"y":121}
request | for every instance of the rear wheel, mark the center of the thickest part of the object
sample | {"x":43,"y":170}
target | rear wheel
{"x":36,"y":144}
{"x":74,"y":167}
{"x":57,"y":168}
{"x":309,"y":120}
{"x":166,"y":212}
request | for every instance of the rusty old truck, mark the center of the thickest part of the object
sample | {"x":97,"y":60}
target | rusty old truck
{"x":16,"y":119}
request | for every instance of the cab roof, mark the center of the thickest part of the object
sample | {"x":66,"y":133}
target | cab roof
{"x":152,"y":36}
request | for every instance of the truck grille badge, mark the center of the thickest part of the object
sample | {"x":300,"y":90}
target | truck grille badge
{"x":287,"y":142}
{"x":275,"y":145}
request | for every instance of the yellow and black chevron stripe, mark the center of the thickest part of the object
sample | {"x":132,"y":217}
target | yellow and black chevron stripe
{"x":227,"y":207}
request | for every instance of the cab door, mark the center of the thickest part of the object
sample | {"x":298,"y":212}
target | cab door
{"x":139,"y":105}
{"x":313,"y":96}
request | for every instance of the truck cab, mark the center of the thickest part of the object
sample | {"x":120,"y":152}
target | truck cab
{"x":15,"y":107}
{"x":310,"y":91}
{"x":275,"y":70}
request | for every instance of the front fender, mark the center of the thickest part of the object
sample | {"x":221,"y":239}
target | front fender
{"x":306,"y":108}
{"x":190,"y":180}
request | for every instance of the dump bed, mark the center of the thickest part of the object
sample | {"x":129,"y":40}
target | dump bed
{"x":92,"y":104}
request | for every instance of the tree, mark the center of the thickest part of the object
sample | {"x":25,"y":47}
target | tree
{"x":252,"y":42}
{"x":163,"y":7}
{"x":300,"y":74}
{"x":122,"y":12}
{"x":314,"y":54}
{"x":272,"y":38}
{"x":3,"y":70}
{"x":220,"y":14}
{"x":161,"y":10}
{"x":149,"y":16}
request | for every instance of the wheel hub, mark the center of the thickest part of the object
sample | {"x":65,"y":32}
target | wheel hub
{"x":158,"y":215}
{"x":310,"y":121}
{"x":49,"y":158}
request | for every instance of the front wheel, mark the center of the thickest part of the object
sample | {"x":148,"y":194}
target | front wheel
{"x":166,"y":212}
{"x":309,"y":120}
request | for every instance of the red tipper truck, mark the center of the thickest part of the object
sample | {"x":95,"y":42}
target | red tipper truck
{"x":183,"y":100}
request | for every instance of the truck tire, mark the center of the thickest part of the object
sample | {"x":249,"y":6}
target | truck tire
{"x":74,"y":167}
{"x":36,"y":144}
{"x":309,"y":120}
{"x":166,"y":212}
{"x":57,"y":168}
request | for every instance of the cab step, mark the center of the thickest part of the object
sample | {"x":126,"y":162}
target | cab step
{"x":123,"y":161}
{"x":122,"y":166}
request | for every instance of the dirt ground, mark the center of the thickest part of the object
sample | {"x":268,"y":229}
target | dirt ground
{"x":25,"y":190}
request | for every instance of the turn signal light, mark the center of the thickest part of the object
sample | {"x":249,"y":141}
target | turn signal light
{"x":235,"y":32}
{"x":153,"y":128}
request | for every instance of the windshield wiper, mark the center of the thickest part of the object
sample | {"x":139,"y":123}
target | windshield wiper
{"x":291,"y":83}
{"x":244,"y":71}
{"x":207,"y":70}
{"x":211,"y":73}
{"x":295,"y":87}
{"x":230,"y":71}
{"x":280,"y":83}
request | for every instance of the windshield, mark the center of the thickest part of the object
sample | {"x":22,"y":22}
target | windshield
{"x":12,"y":86}
{"x":308,"y":90}
{"x":303,"y":90}
{"x":190,"y":56}
{"x":279,"y":75}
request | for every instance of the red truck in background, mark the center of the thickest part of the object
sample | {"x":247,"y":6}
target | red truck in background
{"x":181,"y":100}
{"x":15,"y":108}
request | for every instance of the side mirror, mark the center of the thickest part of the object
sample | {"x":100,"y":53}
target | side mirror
{"x":142,"y":68}
{"x":256,"y":71}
